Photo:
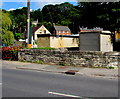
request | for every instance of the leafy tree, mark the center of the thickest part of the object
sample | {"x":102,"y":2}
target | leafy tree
{"x":18,"y":18}
{"x":36,"y":15}
{"x":100,"y":14}
{"x":61,"y":14}
{"x":6,"y":21}
{"x":7,"y":35}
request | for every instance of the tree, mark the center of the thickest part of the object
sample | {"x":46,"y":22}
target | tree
{"x":36,"y":15}
{"x":7,"y":35}
{"x":18,"y":18}
{"x":100,"y":14}
{"x":61,"y":14}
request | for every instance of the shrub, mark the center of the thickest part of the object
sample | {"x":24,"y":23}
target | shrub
{"x":111,"y":67}
{"x":10,"y":53}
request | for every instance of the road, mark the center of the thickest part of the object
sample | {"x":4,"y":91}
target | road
{"x":28,"y":83}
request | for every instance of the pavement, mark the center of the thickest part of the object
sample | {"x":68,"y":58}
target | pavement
{"x":92,"y":72}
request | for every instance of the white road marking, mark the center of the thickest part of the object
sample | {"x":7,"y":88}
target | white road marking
{"x":0,"y":83}
{"x":61,"y":94}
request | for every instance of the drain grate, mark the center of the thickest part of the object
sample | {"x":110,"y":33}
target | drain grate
{"x":71,"y":72}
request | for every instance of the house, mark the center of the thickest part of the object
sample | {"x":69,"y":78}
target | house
{"x":96,"y":41}
{"x":61,"y":30}
{"x":39,"y":30}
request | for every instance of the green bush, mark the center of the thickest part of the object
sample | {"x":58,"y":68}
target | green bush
{"x":111,"y":67}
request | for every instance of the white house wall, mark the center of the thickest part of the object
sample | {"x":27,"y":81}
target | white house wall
{"x":105,"y":43}
{"x":41,"y":31}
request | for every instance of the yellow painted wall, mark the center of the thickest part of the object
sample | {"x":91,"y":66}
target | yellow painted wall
{"x":59,"y":42}
{"x":62,"y":42}
{"x":53,"y":42}
{"x":43,"y":42}
{"x":70,"y":42}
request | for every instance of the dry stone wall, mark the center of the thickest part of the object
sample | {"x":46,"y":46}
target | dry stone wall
{"x":72,"y":58}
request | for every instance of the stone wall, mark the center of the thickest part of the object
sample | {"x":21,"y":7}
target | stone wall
{"x":73,"y":58}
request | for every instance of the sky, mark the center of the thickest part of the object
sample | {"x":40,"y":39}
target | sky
{"x":35,"y":4}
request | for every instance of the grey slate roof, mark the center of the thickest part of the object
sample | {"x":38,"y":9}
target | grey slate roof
{"x":61,"y":28}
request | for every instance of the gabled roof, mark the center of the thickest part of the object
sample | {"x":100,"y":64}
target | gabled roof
{"x":61,"y":28}
{"x":35,"y":28}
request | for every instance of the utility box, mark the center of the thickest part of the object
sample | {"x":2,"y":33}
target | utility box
{"x":96,"y":41}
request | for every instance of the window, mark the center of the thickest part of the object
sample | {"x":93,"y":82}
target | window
{"x":40,"y":31}
{"x":45,"y":31}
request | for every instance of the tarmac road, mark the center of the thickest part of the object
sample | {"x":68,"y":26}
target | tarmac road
{"x":30,"y":83}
